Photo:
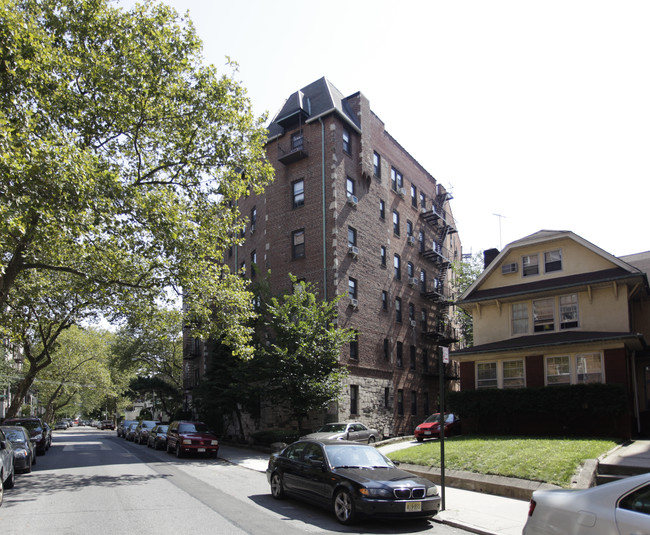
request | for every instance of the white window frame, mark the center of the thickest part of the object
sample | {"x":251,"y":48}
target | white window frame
{"x":576,"y":369}
{"x":516,"y":323}
{"x":492,"y":380}
{"x":498,"y":380}
{"x":553,"y":258}
{"x":572,"y":320}
{"x":529,"y":267}
{"x":541,"y":324}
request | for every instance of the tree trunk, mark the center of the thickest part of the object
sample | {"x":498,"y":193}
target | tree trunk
{"x":19,"y":395}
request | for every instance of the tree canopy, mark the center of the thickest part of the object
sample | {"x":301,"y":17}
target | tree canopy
{"x":121,"y":156}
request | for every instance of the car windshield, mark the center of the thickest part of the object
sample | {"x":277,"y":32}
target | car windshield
{"x":356,"y":457}
{"x":193,"y":428}
{"x":13,"y":435}
{"x":29,"y":424}
{"x":332,"y":428}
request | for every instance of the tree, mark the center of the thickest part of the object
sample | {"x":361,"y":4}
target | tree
{"x":120,"y":156}
{"x":465,"y":273}
{"x":302,"y":356}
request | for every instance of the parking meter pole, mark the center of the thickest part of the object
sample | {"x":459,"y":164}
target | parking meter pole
{"x":441,"y":396}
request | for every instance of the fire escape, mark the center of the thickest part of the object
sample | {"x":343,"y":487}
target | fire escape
{"x":439,"y":225}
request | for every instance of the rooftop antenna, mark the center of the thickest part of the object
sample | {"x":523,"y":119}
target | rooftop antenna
{"x":500,"y":218}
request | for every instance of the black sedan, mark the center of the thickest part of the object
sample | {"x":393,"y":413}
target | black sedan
{"x":351,"y":479}
{"x":157,"y":438}
{"x":24,"y":450}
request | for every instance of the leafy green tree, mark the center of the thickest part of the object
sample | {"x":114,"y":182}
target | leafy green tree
{"x":301,"y":357}
{"x":465,"y":273}
{"x":120,"y":154}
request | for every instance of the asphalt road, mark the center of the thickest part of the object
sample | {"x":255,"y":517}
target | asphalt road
{"x":90,"y":481}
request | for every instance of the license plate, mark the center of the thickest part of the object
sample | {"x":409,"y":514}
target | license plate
{"x":413,"y":507}
{"x":201,"y":450}
{"x":427,"y":432}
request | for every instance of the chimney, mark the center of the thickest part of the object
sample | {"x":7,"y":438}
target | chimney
{"x":488,"y":257}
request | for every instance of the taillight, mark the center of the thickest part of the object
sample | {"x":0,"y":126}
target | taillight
{"x":531,"y":507}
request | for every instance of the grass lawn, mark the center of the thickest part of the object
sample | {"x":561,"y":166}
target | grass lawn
{"x":552,"y":460}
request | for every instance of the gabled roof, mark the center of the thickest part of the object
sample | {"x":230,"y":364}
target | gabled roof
{"x":620,"y":272}
{"x":313,"y":101}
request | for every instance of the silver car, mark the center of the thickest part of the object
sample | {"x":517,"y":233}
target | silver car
{"x":618,"y":508}
{"x":6,"y":465}
{"x":353,"y":431}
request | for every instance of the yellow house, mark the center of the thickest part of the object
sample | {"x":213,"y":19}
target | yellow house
{"x":554,"y":309}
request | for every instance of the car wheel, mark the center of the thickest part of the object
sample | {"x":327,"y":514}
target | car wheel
{"x":167,"y":448}
{"x":179,"y":452}
{"x":420,"y":439}
{"x":344,"y":507}
{"x":9,"y":483}
{"x":371,"y":440}
{"x":276,"y":486}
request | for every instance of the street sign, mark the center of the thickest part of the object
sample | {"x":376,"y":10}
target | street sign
{"x":445,"y":355}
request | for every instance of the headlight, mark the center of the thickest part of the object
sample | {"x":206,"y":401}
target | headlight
{"x":20,"y":453}
{"x":187,"y":441}
{"x":214,"y":443}
{"x":376,"y":493}
{"x":432,"y":491}
{"x":418,"y":428}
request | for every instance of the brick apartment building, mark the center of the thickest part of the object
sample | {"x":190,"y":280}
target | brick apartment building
{"x":353,"y":212}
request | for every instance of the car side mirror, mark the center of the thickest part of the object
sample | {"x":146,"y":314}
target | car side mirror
{"x":316,"y":463}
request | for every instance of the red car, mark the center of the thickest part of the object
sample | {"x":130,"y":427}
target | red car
{"x":184,"y":437}
{"x":430,"y":428}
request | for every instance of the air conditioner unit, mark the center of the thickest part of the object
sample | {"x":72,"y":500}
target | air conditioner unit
{"x":423,"y":210}
{"x":509,"y":268}
{"x":401,"y":191}
{"x":353,"y":250}
{"x":353,"y":302}
{"x":413,"y":323}
{"x":413,"y":281}
{"x":410,"y":240}
{"x":352,"y":200}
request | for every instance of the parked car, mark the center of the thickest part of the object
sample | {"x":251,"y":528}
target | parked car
{"x":129,"y":432}
{"x":157,"y":438}
{"x":141,"y":433}
{"x":107,"y":424}
{"x":185,"y":436}
{"x":7,"y":473}
{"x":24,"y":451}
{"x":430,"y":428}
{"x":353,"y":431}
{"x":351,"y":479}
{"x":60,"y":425}
{"x":40,"y":433}
{"x":121,"y":427}
{"x":618,"y":508}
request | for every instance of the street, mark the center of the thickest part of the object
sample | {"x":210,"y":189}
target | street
{"x":91,"y":481}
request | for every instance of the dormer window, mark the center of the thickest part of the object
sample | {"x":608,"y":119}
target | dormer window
{"x":530,"y":265}
{"x":553,"y":261}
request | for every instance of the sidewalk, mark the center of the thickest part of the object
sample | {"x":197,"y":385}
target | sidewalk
{"x":473,"y":511}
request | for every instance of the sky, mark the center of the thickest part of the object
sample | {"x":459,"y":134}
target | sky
{"x":534,"y":114}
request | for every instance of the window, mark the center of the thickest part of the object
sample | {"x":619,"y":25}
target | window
{"x":410,"y":270}
{"x":486,"y":375}
{"x":349,"y":186}
{"x":384,"y":300}
{"x":354,"y":399}
{"x":398,"y":310}
{"x":421,"y":240}
{"x":409,"y":228}
{"x":637,"y":501}
{"x":397,"y":271}
{"x":383,"y":256}
{"x":558,"y":370}
{"x":568,"y":311}
{"x":414,"y":402}
{"x":346,"y":141}
{"x":352,"y":288}
{"x":297,"y":140}
{"x":352,"y":236}
{"x":414,"y":196}
{"x":423,"y":200}
{"x":411,"y":312}
{"x":399,"y":360}
{"x":589,"y":368}
{"x":400,"y":402}
{"x":423,"y":281}
{"x":253,"y":218}
{"x":520,"y":318}
{"x":396,"y":179}
{"x":382,"y":209}
{"x":412,"y":362}
{"x":513,"y":374}
{"x":396,"y":222}
{"x":376,"y":164}
{"x":553,"y":261}
{"x":298,"y":243}
{"x":253,"y":263}
{"x":242,"y":269}
{"x":530,"y":265}
{"x":386,"y":349}
{"x":354,"y":347}
{"x":544,"y":315}
{"x":298,"y":193}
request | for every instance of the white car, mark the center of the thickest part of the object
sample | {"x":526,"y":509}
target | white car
{"x":618,"y":508}
{"x":353,"y":431}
